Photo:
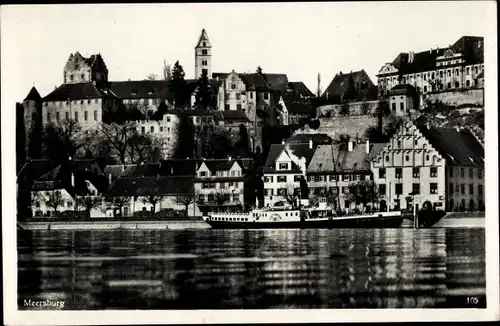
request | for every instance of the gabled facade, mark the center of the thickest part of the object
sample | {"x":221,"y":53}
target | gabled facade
{"x":85,"y":70}
{"x":349,"y":87}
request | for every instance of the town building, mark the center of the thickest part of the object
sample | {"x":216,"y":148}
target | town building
{"x":456,"y":67}
{"x":65,"y":188}
{"x":421,"y":164}
{"x":295,"y":109}
{"x":220,"y":183}
{"x":349,"y":87}
{"x":403,"y":99}
{"x":333,"y":167}
{"x":285,"y":167}
{"x":85,"y":70}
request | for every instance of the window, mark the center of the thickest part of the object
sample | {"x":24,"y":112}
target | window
{"x":480,"y":190}
{"x":71,"y":77}
{"x":66,"y":115}
{"x":434,"y":172}
{"x":333,"y":178}
{"x":85,"y":115}
{"x":462,"y":189}
{"x":416,"y":172}
{"x":296,"y":178}
{"x":425,"y":76}
{"x":203,"y":173}
{"x":266,"y":96}
{"x":462,"y":172}
{"x":282,"y":192}
{"x":416,"y":188}
{"x":143,"y":130}
{"x":450,"y":172}
{"x":37,"y":204}
{"x":238,"y":107}
{"x":387,"y":158}
{"x":161,"y":129}
{"x":471,"y":189}
{"x":467,"y":83}
{"x":471,"y":173}
{"x":282,"y":178}
{"x":399,"y":173}
{"x":480,"y":173}
{"x":434,"y":188}
{"x":57,"y":116}
{"x":432,"y":76}
{"x":152,"y":129}
{"x":425,"y":88}
{"x":451,"y":188}
{"x":393,"y":106}
{"x":345,"y":190}
{"x":346,"y":177}
{"x":457,"y":188}
{"x":81,"y":101}
{"x":76,"y":116}
{"x":283,"y":166}
{"x":448,"y":73}
{"x":233,"y":86}
{"x":226,"y":107}
{"x":382,"y":190}
{"x":238,"y":96}
{"x":48,"y":116}
{"x":269,"y":192}
{"x":407,"y":158}
{"x":427,"y":157}
{"x":402,"y":106}
{"x":456,"y":72}
{"x":457,"y":84}
{"x":399,"y":188}
{"x":448,"y":85}
{"x":475,"y":70}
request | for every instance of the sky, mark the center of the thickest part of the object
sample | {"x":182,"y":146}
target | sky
{"x":299,"y":39}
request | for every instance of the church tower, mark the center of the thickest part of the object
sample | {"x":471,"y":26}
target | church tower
{"x":203,"y":56}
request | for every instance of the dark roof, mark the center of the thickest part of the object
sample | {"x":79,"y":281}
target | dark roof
{"x":300,"y":88}
{"x":277,"y":81}
{"x":231,"y":115}
{"x":78,"y":91}
{"x":33,"y":95}
{"x":203,"y":36}
{"x":403,"y":89}
{"x":471,"y":47}
{"x":297,"y":105}
{"x":255,"y":82}
{"x":343,"y":159}
{"x":317,"y":139}
{"x":458,"y":147}
{"x":179,"y":166}
{"x":219,"y":165}
{"x":298,"y":150}
{"x":151,"y":186}
{"x":140,"y":89}
{"x":341,"y":84}
{"x":35,"y":168}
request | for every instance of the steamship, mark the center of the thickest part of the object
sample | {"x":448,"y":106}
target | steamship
{"x":320,"y":216}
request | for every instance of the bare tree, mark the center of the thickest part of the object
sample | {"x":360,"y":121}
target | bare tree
{"x":119,"y":137}
{"x":153,"y":200}
{"x":89,"y":202}
{"x":54,"y":200}
{"x":318,"y":89}
{"x":291,"y":194}
{"x":118,"y":202}
{"x":167,"y":70}
{"x":151,"y":77}
{"x":62,"y":141}
{"x":185,"y":200}
{"x":144,"y":148}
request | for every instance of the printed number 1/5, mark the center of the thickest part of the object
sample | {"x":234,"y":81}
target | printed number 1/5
{"x":472,"y":300}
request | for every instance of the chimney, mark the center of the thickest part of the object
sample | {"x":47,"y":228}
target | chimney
{"x":72,"y":179}
{"x":310,"y":144}
{"x":349,"y":146}
{"x":282,"y":142}
{"x":172,"y":171}
{"x":229,"y":158}
{"x":110,"y":178}
{"x":123,"y":167}
{"x":367,"y":147}
{"x":340,"y":73}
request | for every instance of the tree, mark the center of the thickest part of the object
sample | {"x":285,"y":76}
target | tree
{"x":291,"y":194}
{"x":178,"y":85}
{"x":118,"y":202}
{"x":152,"y":200}
{"x":167,"y":71}
{"x":117,"y":137}
{"x":89,"y":202}
{"x":318,"y":88}
{"x":218,"y":144}
{"x":362,"y":192}
{"x":203,"y":95}
{"x":185,"y":200}
{"x":243,"y":144}
{"x":351,"y":92}
{"x":143,"y":148}
{"x":345,"y":109}
{"x":151,"y":77}
{"x":261,"y":73}
{"x":54,"y":200}
{"x":314,"y":124}
{"x":62,"y":141}
{"x":184,"y":146}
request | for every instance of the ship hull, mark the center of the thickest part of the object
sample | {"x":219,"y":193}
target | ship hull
{"x":386,"y":222}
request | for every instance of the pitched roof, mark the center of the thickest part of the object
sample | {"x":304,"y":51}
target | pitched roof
{"x":297,"y":105}
{"x":255,"y":82}
{"x":77,"y":91}
{"x":403,"y":89}
{"x":230,"y":115}
{"x":317,"y":139}
{"x":300,"y":88}
{"x":203,"y":37}
{"x":458,"y":147}
{"x":219,"y":165}
{"x":299,"y":150}
{"x":35,"y":168}
{"x":140,"y":88}
{"x":343,"y":159}
{"x":33,"y":95}
{"x":179,"y":166}
{"x":341,"y":83}
{"x":151,"y":186}
{"x":276,"y":82}
{"x":471,"y":47}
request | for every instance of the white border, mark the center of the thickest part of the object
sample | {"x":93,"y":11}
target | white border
{"x":15,"y":317}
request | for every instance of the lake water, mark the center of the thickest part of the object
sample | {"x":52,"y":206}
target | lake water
{"x":253,"y":269}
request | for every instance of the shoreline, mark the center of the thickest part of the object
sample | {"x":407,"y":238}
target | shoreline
{"x":113,"y":225}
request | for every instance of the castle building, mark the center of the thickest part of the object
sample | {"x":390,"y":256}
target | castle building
{"x":456,"y":67}
{"x":81,"y":70}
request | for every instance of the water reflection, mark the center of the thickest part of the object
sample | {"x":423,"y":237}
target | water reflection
{"x":217,"y":269}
